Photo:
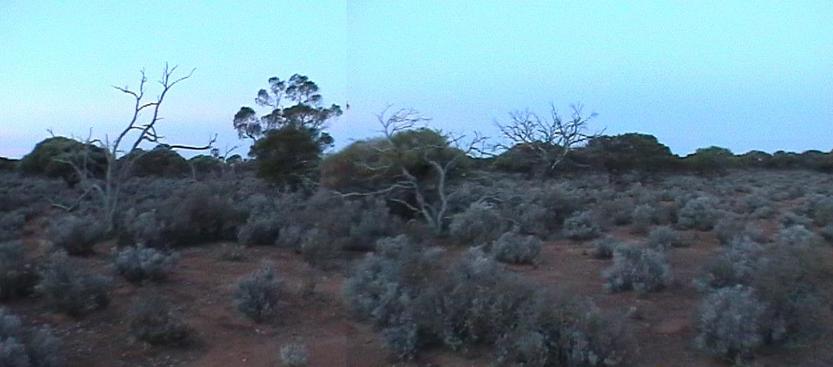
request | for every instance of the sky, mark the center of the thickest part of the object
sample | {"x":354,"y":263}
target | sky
{"x":739,"y":74}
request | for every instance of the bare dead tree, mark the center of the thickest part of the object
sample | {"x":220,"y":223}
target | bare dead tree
{"x":552,"y":139}
{"x":139,"y":130}
{"x":430,"y":199}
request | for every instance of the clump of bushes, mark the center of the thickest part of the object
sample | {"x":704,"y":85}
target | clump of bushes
{"x":581,"y":226}
{"x":69,"y":290}
{"x":642,"y":218}
{"x":664,"y":237}
{"x":415,"y":302}
{"x":642,"y":270}
{"x":145,"y":229}
{"x":200,"y":216}
{"x":699,"y":213}
{"x":22,"y":346}
{"x":515,"y":248}
{"x":17,"y":278}
{"x":603,"y":248}
{"x":294,"y":355}
{"x":479,"y":224}
{"x":155,"y":321}
{"x":730,"y":323}
{"x":11,"y":225}
{"x":258,"y":293}
{"x":76,"y":235}
{"x":140,"y":263}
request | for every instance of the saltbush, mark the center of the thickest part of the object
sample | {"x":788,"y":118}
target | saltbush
{"x":11,"y":225}
{"x":699,"y":213}
{"x":202,"y":215}
{"x":17,"y":278}
{"x":603,"y":248}
{"x":581,"y":226}
{"x":22,"y":346}
{"x":258,"y":293}
{"x":479,"y":224}
{"x":642,"y":218}
{"x":664,"y":237}
{"x":156,"y":321}
{"x":76,"y":235}
{"x":294,"y":355}
{"x":515,"y":248}
{"x":67,"y":289}
{"x":139,"y":263}
{"x":642,"y":270}
{"x":730,"y":323}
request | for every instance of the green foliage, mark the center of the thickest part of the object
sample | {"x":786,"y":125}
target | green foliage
{"x":160,"y":161}
{"x":711,"y":160}
{"x":49,"y":158}
{"x":287,"y":156}
{"x":630,"y":152}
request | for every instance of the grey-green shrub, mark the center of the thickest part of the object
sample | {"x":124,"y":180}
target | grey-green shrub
{"x":11,"y":225}
{"x":156,"y":321}
{"x":22,"y":346}
{"x":642,"y":218}
{"x":17,"y":277}
{"x":294,"y":355}
{"x":258,"y":293}
{"x":68,"y":289}
{"x":581,"y":226}
{"x":76,"y":235}
{"x":515,"y":248}
{"x":730,"y":323}
{"x":603,"y":248}
{"x":642,"y":270}
{"x":479,"y":224}
{"x":797,"y":235}
{"x":699,"y":213}
{"x":664,"y":237}
{"x":139,"y":263}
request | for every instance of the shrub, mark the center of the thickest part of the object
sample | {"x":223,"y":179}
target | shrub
{"x":642,"y":218}
{"x":642,"y":270}
{"x":793,"y":219}
{"x":618,"y":211}
{"x":604,"y":247}
{"x":294,"y":355}
{"x":729,"y":229}
{"x":258,"y":293}
{"x":581,"y":226}
{"x":821,"y":211}
{"x":664,"y":237}
{"x":16,"y":276}
{"x":827,"y":232}
{"x":68,"y":290}
{"x":161,"y":161}
{"x":479,"y":224}
{"x":797,"y":235}
{"x":699,"y":214}
{"x":143,"y":229}
{"x":736,"y":265}
{"x":730,"y":323}
{"x":155,"y":321}
{"x":139,"y":263}
{"x":11,"y":225}
{"x":201,"y":216}
{"x":595,"y":339}
{"x":259,"y":231}
{"x":24,"y":347}
{"x":76,"y":235}
{"x":514,"y":248}
{"x":50,"y":157}
{"x":288,"y":156}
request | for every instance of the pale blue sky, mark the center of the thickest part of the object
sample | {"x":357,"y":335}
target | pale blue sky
{"x":741,"y":74}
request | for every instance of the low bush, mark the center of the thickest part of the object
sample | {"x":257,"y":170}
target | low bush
{"x":642,"y":270}
{"x":515,"y":248}
{"x":11,"y":225}
{"x":258,"y":293}
{"x":139,"y":263}
{"x":76,"y":235}
{"x":699,"y":213}
{"x":17,"y":278}
{"x":155,"y":321}
{"x":479,"y":224}
{"x":294,"y":355}
{"x":797,"y":235}
{"x":22,"y":346}
{"x":202,"y":215}
{"x":67,"y":289}
{"x":144,"y":229}
{"x":603,"y":248}
{"x":664,"y":237}
{"x":642,"y":218}
{"x":581,"y":226}
{"x":730,"y":323}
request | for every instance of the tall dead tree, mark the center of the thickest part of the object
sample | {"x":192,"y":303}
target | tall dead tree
{"x":429,"y":194}
{"x":550,"y":139}
{"x":141,"y":128}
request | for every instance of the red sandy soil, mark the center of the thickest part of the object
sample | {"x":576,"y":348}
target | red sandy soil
{"x":203,"y":282}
